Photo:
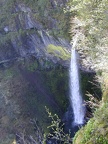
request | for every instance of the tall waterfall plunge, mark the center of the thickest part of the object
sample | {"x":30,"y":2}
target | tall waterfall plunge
{"x":75,"y":94}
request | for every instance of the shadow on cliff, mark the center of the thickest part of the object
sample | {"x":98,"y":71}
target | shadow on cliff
{"x":38,"y":87}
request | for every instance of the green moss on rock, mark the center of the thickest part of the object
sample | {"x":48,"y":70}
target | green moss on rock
{"x":58,"y":51}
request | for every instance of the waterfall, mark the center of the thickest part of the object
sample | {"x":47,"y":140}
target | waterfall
{"x":41,"y":34}
{"x":75,"y":94}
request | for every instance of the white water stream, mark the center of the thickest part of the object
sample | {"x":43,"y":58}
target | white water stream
{"x":75,"y":94}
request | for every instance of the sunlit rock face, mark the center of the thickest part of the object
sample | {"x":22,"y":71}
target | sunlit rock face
{"x":27,"y":30}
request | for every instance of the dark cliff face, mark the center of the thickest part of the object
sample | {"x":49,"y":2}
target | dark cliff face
{"x":34,"y":58}
{"x":25,"y":89}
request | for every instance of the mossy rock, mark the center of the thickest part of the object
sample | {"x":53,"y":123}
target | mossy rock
{"x":96,"y":131}
{"x":58,"y":51}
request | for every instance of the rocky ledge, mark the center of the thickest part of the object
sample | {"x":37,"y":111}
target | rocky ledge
{"x":23,"y":34}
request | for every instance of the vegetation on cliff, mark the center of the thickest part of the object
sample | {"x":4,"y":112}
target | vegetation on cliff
{"x":25,"y":89}
{"x":29,"y":79}
{"x":90,"y":24}
{"x":28,"y":86}
{"x":42,"y":14}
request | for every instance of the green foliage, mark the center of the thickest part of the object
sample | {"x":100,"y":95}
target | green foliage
{"x":91,"y":22}
{"x":58,"y":51}
{"x":57,"y":132}
{"x":96,"y":131}
{"x":88,"y":132}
